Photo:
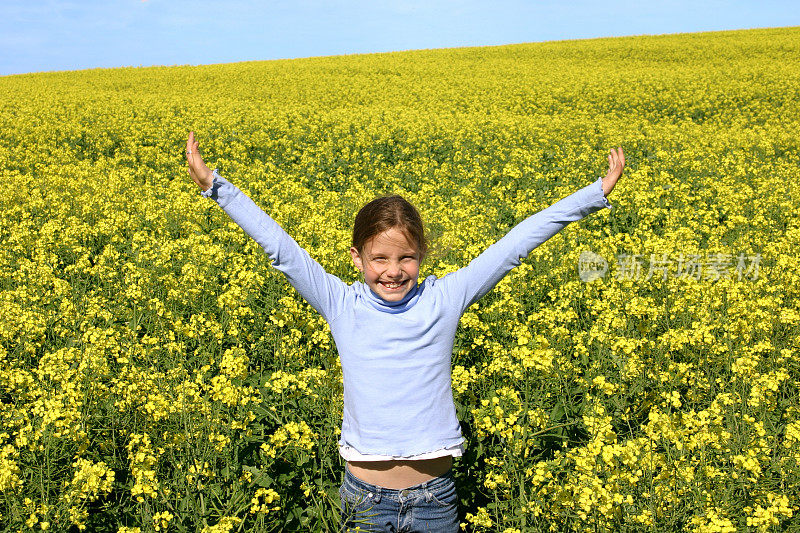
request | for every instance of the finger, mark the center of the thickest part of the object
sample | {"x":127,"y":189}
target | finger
{"x":196,"y":157}
{"x":188,"y":146}
{"x":621,"y":156}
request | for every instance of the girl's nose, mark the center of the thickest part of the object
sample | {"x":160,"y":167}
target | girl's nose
{"x":393,"y":270}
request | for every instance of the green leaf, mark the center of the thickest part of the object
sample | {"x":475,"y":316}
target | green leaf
{"x":557,"y":413}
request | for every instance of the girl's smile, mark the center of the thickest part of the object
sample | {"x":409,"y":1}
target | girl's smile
{"x":390,"y":264}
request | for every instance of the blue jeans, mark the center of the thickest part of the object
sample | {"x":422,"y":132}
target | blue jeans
{"x":430,"y":507}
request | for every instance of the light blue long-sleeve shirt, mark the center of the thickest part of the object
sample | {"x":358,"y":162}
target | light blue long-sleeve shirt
{"x":396,"y":356}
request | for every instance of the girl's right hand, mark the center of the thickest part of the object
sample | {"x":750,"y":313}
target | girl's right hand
{"x":616,"y":163}
{"x":199,"y":172}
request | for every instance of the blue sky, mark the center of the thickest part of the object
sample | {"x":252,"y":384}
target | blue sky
{"x":43,"y":35}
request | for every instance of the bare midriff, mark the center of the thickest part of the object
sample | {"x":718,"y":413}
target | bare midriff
{"x":400,"y":473}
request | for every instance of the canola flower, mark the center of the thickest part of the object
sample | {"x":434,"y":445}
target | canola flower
{"x":157,"y":375}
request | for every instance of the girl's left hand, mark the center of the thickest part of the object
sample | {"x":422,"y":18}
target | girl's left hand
{"x":616,"y":162}
{"x":198,"y":170}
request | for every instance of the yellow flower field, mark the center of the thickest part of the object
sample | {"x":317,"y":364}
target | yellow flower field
{"x":157,"y":375}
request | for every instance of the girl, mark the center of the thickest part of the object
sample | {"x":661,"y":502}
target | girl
{"x":395,"y":338}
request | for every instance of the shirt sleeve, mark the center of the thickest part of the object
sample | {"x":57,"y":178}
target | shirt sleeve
{"x":325,"y":292}
{"x":468,"y":284}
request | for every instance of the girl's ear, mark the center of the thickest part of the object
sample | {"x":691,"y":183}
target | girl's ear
{"x":356,"y":259}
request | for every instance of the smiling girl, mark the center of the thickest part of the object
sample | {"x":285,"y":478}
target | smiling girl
{"x":395,"y":338}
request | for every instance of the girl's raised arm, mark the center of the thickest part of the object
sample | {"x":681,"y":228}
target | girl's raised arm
{"x":471,"y":282}
{"x":325,"y":292}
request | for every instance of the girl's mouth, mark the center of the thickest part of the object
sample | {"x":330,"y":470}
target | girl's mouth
{"x":392,"y":285}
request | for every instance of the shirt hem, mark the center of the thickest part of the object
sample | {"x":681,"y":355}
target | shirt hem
{"x":349,"y":453}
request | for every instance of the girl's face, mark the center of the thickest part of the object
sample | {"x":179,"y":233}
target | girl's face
{"x":390,"y":264}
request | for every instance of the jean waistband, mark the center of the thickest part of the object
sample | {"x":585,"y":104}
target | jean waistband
{"x":430,"y":485}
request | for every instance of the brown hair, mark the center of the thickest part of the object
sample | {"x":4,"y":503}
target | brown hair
{"x":385,"y":213}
